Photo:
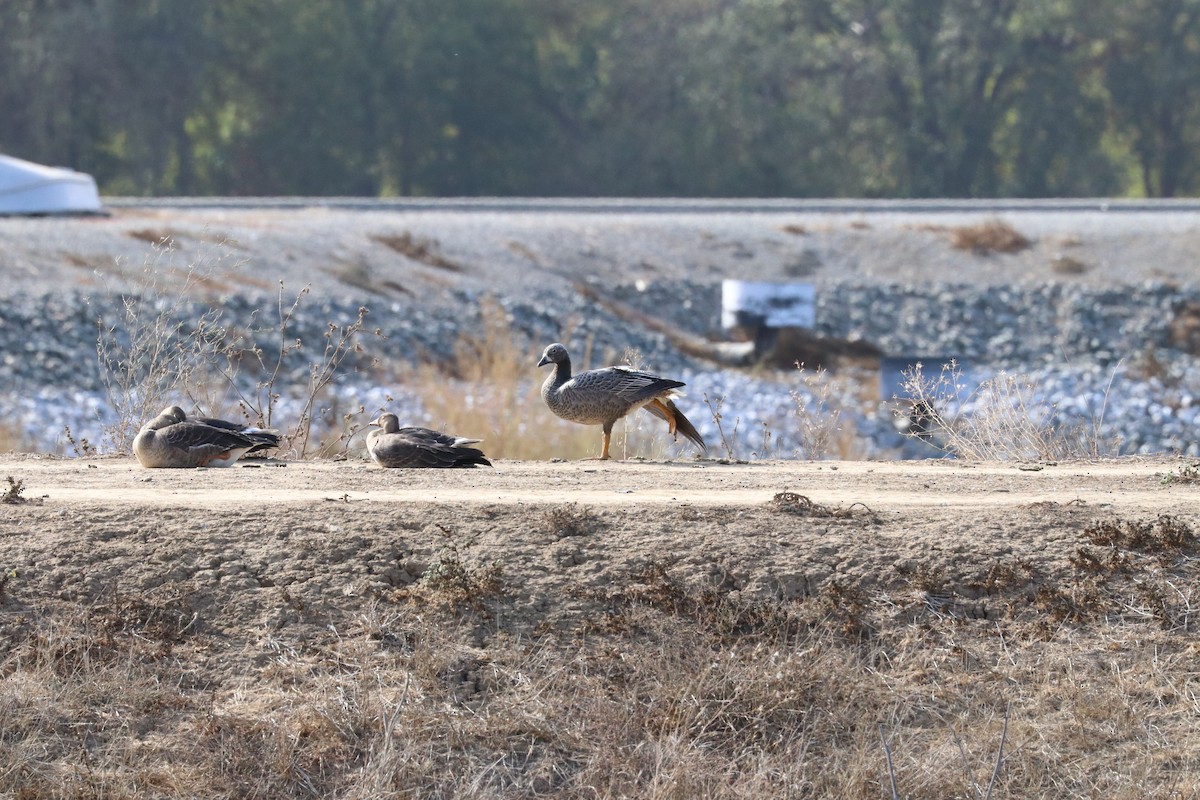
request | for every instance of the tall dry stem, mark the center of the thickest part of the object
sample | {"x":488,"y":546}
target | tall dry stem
{"x":150,"y":349}
{"x":824,"y":427}
{"x":319,"y":409}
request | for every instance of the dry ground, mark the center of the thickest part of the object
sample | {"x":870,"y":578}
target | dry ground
{"x":423,"y":254}
{"x":586,"y":629}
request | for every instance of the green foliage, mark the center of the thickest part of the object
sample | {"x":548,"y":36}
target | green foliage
{"x":965,"y":98}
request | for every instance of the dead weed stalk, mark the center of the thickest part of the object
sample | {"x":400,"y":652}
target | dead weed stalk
{"x":148,"y":350}
{"x":1005,"y":418}
{"x":825,"y":429}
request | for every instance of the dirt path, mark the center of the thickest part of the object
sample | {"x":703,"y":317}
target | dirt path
{"x":1124,"y":485}
{"x":253,"y":541}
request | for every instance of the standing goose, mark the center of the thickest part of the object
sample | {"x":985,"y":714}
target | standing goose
{"x":165,"y":443}
{"x":393,"y":446}
{"x":603,"y":396}
{"x":263,"y":438}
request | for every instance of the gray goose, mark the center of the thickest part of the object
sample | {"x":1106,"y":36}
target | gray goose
{"x":393,"y":446}
{"x":263,"y":438}
{"x":163,"y":442}
{"x":603,"y":396}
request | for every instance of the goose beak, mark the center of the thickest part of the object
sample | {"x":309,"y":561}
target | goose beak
{"x":544,"y":361}
{"x":376,"y":423}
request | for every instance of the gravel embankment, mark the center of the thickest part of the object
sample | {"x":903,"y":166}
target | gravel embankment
{"x":1090,"y":341}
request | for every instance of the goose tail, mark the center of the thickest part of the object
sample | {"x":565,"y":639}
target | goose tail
{"x":665,"y":408}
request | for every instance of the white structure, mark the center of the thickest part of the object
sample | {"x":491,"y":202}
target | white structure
{"x":772,"y":305}
{"x":28,"y":188}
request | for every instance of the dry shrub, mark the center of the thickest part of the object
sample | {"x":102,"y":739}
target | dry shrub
{"x":1188,"y":475}
{"x":570,"y":520}
{"x":450,"y":580}
{"x":14,"y":495}
{"x":149,"y":348}
{"x":1003,"y":419}
{"x":826,"y":429}
{"x":154,"y":351}
{"x":793,"y":503}
{"x":989,"y":236}
{"x":320,"y":426}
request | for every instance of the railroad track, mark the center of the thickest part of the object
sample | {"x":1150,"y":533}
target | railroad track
{"x":602,"y":205}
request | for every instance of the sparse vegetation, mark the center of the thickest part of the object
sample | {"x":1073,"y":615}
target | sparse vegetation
{"x":80,"y":447}
{"x":148,"y":353}
{"x":449,"y":580}
{"x":823,"y":430}
{"x":989,"y":236}
{"x":715,"y":405}
{"x":1188,"y":475}
{"x":370,"y":652}
{"x":151,"y":357}
{"x":1067,"y":265}
{"x":1004,"y":418}
{"x":793,"y":503}
{"x":491,"y":391}
{"x":570,"y":520}
{"x":15,"y":493}
{"x":425,"y":251}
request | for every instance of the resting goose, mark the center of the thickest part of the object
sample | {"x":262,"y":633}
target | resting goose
{"x":165,"y":443}
{"x":263,"y":438}
{"x":603,"y":396}
{"x":393,"y":446}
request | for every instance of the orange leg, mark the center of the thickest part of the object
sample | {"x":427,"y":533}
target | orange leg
{"x":604,"y":456}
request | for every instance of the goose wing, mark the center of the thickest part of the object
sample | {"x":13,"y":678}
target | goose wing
{"x":263,"y":438}
{"x":628,"y":384}
{"x":198,"y":437}
{"x":436,"y":437}
{"x":165,"y":443}
{"x":421,"y":447}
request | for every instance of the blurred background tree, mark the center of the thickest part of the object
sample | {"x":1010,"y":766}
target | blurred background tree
{"x":766,"y":98}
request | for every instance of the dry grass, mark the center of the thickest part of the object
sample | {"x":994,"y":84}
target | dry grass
{"x":990,"y":236}
{"x":155,"y":351}
{"x":1003,"y":419}
{"x":492,"y":391}
{"x":1067,"y":265}
{"x":425,"y":251}
{"x":662,"y":689}
{"x":13,"y":439}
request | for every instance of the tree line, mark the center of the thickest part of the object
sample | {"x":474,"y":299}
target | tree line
{"x":763,"y":98}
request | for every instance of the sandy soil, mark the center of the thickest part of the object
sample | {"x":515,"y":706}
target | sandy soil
{"x":262,"y":547}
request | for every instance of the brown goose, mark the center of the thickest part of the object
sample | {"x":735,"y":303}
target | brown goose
{"x":393,"y":446}
{"x":603,"y":396}
{"x":164,"y":442}
{"x":263,"y":438}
